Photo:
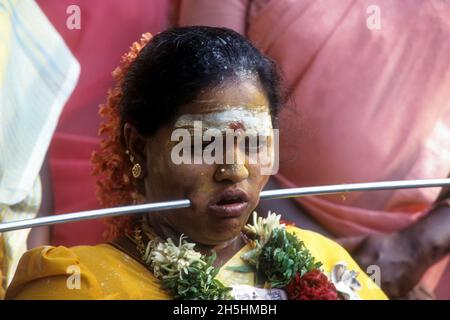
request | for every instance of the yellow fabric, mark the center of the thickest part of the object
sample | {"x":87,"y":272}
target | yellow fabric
{"x":108,"y":273}
{"x":2,"y":291}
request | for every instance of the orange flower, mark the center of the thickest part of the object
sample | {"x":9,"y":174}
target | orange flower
{"x":111,"y":164}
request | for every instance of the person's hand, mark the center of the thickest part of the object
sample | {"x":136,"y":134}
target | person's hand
{"x":395,"y":255}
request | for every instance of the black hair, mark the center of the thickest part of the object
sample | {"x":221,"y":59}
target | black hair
{"x":177,"y":64}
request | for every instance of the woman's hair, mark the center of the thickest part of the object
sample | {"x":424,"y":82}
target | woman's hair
{"x":155,"y":78}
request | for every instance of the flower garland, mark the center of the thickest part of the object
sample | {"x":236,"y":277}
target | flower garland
{"x":278,"y":256}
{"x":187,"y":274}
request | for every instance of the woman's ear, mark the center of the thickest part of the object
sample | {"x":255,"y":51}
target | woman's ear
{"x":136,"y":144}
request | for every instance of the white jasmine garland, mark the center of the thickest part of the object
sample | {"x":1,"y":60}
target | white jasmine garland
{"x":262,"y":227}
{"x":168,"y":260}
{"x":190,"y":275}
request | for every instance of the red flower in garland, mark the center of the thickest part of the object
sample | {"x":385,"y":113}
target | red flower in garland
{"x":313,"y":285}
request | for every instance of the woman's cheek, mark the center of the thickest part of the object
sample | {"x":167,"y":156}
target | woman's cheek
{"x":255,"y":172}
{"x":257,"y":180}
{"x":192,"y":174}
{"x":161,"y":181}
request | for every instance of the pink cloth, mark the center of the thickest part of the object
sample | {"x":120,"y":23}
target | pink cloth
{"x":108,"y":28}
{"x":366,"y":105}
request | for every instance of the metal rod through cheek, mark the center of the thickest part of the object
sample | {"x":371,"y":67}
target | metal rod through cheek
{"x":264,"y":195}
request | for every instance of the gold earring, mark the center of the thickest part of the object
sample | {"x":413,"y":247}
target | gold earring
{"x":136,"y":170}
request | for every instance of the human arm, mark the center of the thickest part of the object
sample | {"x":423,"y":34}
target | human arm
{"x":404,"y":256}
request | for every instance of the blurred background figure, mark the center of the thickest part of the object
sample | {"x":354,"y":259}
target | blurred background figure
{"x":106,"y":29}
{"x":369,"y":83}
{"x":37,"y":75}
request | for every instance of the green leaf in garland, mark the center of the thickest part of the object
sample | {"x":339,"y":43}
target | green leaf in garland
{"x":283,"y":256}
{"x":199,"y":284}
{"x":242,"y":269}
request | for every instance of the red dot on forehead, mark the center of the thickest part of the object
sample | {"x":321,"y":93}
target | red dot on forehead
{"x":235,"y":125}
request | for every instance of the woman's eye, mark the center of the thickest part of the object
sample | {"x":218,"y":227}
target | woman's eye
{"x":204,"y":144}
{"x":254,"y":144}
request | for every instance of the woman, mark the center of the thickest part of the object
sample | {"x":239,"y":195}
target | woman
{"x":371,"y":92}
{"x":173,"y":81}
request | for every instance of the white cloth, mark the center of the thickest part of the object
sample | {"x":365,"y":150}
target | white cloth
{"x":37,"y":75}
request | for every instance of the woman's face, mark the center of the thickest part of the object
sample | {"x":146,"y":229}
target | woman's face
{"x":222,"y":196}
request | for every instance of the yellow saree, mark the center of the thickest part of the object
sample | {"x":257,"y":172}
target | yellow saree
{"x":105,"y":272}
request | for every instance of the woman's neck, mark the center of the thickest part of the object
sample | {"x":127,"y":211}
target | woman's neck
{"x":224,"y":250}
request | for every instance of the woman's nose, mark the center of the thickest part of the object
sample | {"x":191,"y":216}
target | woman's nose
{"x":231,"y":172}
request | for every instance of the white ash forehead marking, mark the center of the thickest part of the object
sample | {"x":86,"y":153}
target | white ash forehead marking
{"x":257,"y":121}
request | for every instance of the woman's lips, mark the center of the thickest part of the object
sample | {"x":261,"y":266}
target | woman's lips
{"x":229,"y":210}
{"x":230,"y":203}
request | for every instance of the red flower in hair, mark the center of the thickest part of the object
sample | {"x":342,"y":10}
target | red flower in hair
{"x":313,"y":285}
{"x":111,"y":164}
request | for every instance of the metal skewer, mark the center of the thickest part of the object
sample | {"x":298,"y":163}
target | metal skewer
{"x":264,"y":195}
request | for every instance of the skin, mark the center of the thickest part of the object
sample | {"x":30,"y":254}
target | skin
{"x":405,"y":256}
{"x":163,"y":180}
